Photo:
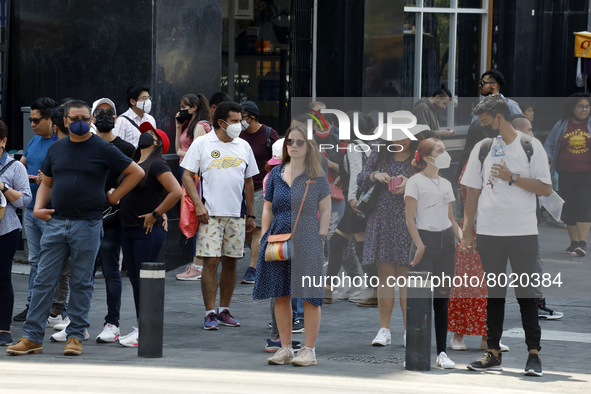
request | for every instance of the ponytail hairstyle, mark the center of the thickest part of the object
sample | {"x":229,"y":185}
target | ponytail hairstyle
{"x":424,"y":149}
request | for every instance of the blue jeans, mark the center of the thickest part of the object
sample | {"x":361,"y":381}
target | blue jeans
{"x":109,"y":257}
{"x":80,"y":239}
{"x":34,"y":230}
{"x":297,"y":308}
{"x":139,"y":247}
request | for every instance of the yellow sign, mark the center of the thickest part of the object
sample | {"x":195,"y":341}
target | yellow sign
{"x":583,"y":44}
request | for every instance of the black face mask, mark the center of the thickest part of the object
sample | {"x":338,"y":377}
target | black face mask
{"x":105,"y":123}
{"x":184,"y":115}
{"x":146,"y":141}
{"x":489,"y":132}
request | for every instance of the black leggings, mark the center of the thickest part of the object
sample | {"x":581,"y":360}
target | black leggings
{"x":439,"y":259}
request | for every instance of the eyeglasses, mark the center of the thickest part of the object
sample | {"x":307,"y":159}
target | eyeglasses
{"x":101,"y":111}
{"x":298,"y":143}
{"x":144,"y":98}
{"x":582,"y":107}
{"x":72,"y":119}
{"x":482,"y":82}
{"x":36,"y":121}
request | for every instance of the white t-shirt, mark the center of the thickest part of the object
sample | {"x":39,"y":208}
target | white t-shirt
{"x":224,"y":166}
{"x":505,"y":210}
{"x":433,"y":198}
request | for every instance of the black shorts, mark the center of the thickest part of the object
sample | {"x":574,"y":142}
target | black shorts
{"x":575,"y":190}
{"x":351,"y":222}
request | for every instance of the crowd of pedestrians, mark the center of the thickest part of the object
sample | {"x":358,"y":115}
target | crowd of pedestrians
{"x":95,"y":191}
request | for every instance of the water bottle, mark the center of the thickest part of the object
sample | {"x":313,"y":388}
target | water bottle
{"x":498,"y":154}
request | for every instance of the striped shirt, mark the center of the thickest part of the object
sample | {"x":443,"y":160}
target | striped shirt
{"x":16,"y":178}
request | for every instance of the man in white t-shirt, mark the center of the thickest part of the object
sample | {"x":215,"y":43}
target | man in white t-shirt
{"x":505,"y":197}
{"x":128,"y":123}
{"x":226,"y":165}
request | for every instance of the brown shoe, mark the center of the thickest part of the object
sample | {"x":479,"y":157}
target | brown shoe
{"x":73,"y":347}
{"x":328,"y":295}
{"x":371,"y":301}
{"x":25,"y":346}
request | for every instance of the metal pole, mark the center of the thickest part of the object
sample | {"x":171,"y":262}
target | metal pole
{"x":231,"y":47}
{"x":418,"y":322}
{"x":151,"y":326}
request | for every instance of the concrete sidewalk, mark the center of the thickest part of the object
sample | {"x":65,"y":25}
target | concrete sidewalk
{"x":233,"y":358}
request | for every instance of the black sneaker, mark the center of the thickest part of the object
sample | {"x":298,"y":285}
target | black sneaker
{"x":581,"y":249}
{"x":533,"y":367}
{"x":298,"y":326}
{"x":571,"y":249}
{"x":21,"y":316}
{"x":488,"y":362}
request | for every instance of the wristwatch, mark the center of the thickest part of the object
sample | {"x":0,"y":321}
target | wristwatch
{"x":5,"y":189}
{"x":514,"y":178}
{"x":252,"y":216}
{"x":155,"y":214}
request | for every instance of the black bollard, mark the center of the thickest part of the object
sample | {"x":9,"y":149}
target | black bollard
{"x":151,"y":326}
{"x":418,"y":322}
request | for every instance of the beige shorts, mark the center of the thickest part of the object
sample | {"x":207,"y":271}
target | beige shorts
{"x":222,"y":236}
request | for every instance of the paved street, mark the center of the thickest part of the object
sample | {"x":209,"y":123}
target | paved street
{"x":233,"y":359}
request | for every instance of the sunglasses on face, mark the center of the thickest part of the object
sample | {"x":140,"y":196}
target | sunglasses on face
{"x":298,"y":143}
{"x":35,"y":121}
{"x":101,"y":111}
{"x":74,"y":120}
{"x":482,"y":82}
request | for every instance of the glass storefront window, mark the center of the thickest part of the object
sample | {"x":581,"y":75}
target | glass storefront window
{"x":435,"y":52}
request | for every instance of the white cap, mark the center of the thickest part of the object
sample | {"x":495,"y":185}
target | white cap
{"x":277,"y":152}
{"x":103,"y":101}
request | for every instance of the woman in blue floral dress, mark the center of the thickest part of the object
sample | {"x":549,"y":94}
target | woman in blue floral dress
{"x":387,"y":242}
{"x":282,"y":280}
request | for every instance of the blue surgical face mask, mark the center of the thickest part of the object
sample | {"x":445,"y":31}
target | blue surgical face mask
{"x":79,"y":127}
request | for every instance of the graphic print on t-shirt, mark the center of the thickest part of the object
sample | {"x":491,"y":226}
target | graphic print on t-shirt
{"x":577,"y":141}
{"x":225,"y":162}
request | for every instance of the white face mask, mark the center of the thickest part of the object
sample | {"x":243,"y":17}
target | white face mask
{"x":442,"y":161}
{"x":244,"y":125}
{"x":145,"y":106}
{"x":233,"y":130}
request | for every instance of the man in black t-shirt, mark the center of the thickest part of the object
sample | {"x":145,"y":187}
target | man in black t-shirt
{"x":104,"y":114}
{"x":75,"y":171}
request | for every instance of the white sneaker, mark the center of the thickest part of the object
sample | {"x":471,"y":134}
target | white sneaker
{"x":62,"y":325}
{"x":110,"y":334}
{"x":363,"y":295}
{"x":282,"y":356}
{"x":383,"y":338}
{"x":52,"y":321}
{"x":130,"y":340}
{"x":457,"y":343}
{"x":305,"y":358}
{"x":134,"y":331}
{"x":484,"y":346}
{"x":63,"y":337}
{"x":444,"y":362}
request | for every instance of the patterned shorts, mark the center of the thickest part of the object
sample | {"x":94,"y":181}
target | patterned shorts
{"x":222,"y":236}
